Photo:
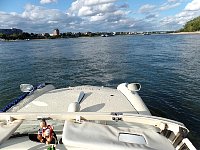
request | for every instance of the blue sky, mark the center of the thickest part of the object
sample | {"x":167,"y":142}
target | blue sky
{"x":97,"y":15}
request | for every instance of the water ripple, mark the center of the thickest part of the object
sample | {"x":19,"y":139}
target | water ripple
{"x":167,"y":66}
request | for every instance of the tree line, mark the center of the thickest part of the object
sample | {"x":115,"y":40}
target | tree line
{"x":26,"y":35}
{"x":192,"y":25}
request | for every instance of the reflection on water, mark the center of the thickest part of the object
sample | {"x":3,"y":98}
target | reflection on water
{"x":167,"y":66}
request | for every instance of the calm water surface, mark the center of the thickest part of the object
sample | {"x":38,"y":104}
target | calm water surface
{"x":167,"y":66}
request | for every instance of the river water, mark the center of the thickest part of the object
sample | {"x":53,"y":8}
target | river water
{"x":167,"y":66}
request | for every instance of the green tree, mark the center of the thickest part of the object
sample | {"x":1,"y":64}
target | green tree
{"x":192,"y":25}
{"x":3,"y":36}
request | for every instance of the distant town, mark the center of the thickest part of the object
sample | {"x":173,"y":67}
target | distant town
{"x":18,"y":34}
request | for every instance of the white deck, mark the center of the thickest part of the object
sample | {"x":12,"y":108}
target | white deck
{"x":95,"y":100}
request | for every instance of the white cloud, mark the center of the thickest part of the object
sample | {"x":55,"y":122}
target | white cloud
{"x":52,"y":22}
{"x":47,"y":1}
{"x":98,"y":18}
{"x":167,"y":6}
{"x":97,"y":11}
{"x":107,"y":15}
{"x":37,"y":19}
{"x":110,"y":7}
{"x":172,"y":1}
{"x":78,"y":4}
{"x":41,"y":14}
{"x":193,"y":6}
{"x":97,"y":2}
{"x":146,"y":8}
{"x":85,"y":11}
{"x":151,"y":16}
{"x":90,"y":7}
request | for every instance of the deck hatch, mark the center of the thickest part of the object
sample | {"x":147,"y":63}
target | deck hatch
{"x":131,"y":138}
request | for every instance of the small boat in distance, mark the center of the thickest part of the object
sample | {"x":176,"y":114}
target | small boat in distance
{"x":147,"y":33}
{"x":88,"y":117}
{"x":104,"y":35}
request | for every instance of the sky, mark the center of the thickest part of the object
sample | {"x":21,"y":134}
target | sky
{"x":41,"y":16}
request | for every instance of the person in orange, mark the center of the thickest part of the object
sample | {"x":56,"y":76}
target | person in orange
{"x":45,"y":134}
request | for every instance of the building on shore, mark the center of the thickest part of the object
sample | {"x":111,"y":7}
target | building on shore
{"x":46,"y":34}
{"x":56,"y":32}
{"x":11,"y":31}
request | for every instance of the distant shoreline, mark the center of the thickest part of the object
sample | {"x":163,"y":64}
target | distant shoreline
{"x":197,"y":32}
{"x":177,"y":33}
